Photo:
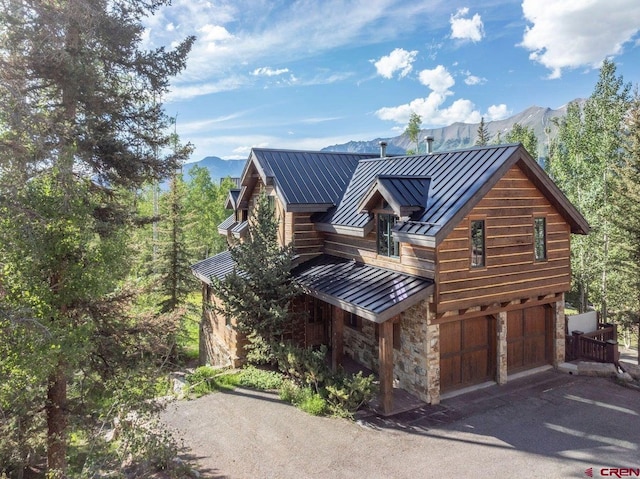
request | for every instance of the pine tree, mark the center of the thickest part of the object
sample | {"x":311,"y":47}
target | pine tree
{"x":482,"y":136}
{"x":80,"y":126}
{"x":258,"y":293}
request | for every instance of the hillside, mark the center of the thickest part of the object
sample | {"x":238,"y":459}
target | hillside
{"x":457,"y":135}
{"x":463,"y":135}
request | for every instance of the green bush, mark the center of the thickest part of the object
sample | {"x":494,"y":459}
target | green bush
{"x":347,"y":394}
{"x":253,"y":377}
{"x":303,"y":397}
{"x":305,"y":365}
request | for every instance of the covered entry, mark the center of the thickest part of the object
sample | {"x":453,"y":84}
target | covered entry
{"x":467,"y":352}
{"x":528,"y":338}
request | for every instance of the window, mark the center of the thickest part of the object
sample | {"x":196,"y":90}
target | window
{"x":353,"y":321}
{"x":477,"y":244}
{"x":271,"y":202}
{"x":387,"y":246}
{"x":540,"y":238}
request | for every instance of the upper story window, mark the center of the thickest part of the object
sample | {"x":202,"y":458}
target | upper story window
{"x":271,"y":201}
{"x":387,"y":245}
{"x":540,"y":238}
{"x":478,"y":259}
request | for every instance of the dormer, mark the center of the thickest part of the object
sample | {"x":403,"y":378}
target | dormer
{"x":406,"y":195}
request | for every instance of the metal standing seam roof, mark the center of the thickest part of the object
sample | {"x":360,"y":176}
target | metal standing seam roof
{"x":306,"y":179}
{"x":240,"y":229}
{"x":217,"y":266}
{"x":405,"y":194}
{"x":373,"y":293}
{"x":455,"y":177}
{"x":232,"y":199}
{"x":227,"y":224}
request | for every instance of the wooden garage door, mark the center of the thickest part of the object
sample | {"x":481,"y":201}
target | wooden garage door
{"x":467,"y":352}
{"x":528,"y":341}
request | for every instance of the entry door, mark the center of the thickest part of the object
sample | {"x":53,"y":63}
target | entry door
{"x":528,"y":338}
{"x":467,"y":352}
{"x":318,"y":321}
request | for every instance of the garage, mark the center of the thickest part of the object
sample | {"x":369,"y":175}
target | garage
{"x":467,"y":352}
{"x":528,"y":338}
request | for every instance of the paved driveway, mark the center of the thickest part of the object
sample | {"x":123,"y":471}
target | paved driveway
{"x":544,"y":426}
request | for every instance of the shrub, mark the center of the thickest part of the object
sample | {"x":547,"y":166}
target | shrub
{"x":303,"y":397}
{"x":347,"y":394}
{"x":305,"y":365}
{"x":253,"y":377}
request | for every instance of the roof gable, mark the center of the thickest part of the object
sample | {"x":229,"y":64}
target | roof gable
{"x":311,"y":181}
{"x":459,"y":179}
{"x":405,"y":194}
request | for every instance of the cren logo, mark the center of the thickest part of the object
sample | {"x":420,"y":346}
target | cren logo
{"x":589,"y":472}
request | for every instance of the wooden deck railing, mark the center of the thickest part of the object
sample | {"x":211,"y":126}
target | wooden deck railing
{"x":600,"y":345}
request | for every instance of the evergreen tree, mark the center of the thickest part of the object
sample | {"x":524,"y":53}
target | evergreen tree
{"x":413,"y":132}
{"x":482,"y":136}
{"x":80,"y":124}
{"x":259,"y":291}
{"x":524,"y":135}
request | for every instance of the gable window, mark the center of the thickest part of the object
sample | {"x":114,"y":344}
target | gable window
{"x":477,"y":244}
{"x":540,"y":238}
{"x":387,"y":245}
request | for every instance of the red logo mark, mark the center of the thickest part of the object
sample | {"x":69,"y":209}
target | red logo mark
{"x":589,"y":472}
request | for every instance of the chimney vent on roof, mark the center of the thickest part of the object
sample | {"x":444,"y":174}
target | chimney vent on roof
{"x":383,"y":149}
{"x":429,"y":144}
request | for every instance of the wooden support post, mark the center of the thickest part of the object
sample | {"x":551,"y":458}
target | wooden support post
{"x":337,"y":335}
{"x":613,"y":356}
{"x":385,"y":358}
{"x":576,"y":344}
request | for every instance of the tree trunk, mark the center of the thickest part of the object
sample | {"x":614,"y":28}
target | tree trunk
{"x":57,"y":423}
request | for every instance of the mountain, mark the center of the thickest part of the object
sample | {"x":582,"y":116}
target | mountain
{"x":463,"y":135}
{"x":218,"y":168}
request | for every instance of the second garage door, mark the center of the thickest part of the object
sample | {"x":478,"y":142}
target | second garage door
{"x":528,"y":341}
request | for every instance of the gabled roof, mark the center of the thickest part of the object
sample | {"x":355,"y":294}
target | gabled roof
{"x":232,"y":199}
{"x":405,"y":194}
{"x":459,"y":179}
{"x":305,"y":181}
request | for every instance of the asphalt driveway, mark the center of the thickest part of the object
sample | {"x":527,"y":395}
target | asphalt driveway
{"x":549,"y":425}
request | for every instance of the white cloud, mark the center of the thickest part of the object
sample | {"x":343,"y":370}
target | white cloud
{"x":438,"y":79}
{"x":474,"y":80}
{"x":462,"y":28}
{"x":269,"y":72}
{"x":398,"y":60}
{"x":565,"y":34}
{"x":234,"y":38}
{"x":497,"y":112}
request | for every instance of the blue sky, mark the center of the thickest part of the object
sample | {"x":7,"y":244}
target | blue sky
{"x":309,"y":74}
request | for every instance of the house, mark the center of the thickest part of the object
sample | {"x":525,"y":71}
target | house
{"x":437,"y":271}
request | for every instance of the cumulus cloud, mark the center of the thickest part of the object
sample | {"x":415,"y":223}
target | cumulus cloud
{"x":574,"y":34}
{"x":497,"y":112}
{"x":432,"y":108}
{"x":269,"y":72}
{"x":466,"y":29}
{"x":438,"y":79}
{"x":399,"y":60}
{"x":474,"y":80}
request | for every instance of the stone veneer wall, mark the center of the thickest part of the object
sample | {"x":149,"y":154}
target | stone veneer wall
{"x":220,"y":345}
{"x":416,"y":363}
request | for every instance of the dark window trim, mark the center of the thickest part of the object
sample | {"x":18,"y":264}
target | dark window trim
{"x":478,"y":260}
{"x":387,"y":245}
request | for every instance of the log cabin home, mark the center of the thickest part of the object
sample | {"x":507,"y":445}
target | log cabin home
{"x":437,"y":271}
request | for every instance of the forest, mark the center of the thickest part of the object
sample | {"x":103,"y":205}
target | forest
{"x":96,"y":294}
